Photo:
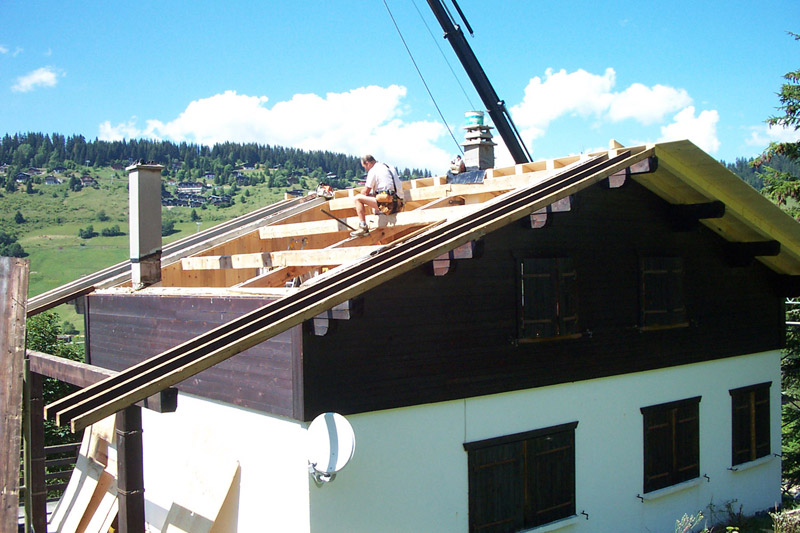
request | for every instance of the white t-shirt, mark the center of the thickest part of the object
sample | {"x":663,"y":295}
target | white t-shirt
{"x":381,"y":178}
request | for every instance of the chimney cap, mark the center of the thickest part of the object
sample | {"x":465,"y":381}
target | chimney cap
{"x":146,"y":165}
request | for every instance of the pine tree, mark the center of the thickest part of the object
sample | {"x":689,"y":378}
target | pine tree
{"x":784,"y":189}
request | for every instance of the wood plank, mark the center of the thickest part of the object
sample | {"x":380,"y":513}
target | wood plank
{"x":287,"y":258}
{"x":418,"y":217}
{"x":13,"y":299}
{"x":324,"y":292}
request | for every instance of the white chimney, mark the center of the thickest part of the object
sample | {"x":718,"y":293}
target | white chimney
{"x":144,"y":187}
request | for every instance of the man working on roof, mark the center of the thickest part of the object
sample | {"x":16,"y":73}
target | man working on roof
{"x":382,"y":182}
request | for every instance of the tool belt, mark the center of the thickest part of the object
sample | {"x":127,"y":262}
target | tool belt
{"x":389,"y":202}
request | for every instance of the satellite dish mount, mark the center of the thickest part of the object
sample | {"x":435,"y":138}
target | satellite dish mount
{"x":331,"y":444}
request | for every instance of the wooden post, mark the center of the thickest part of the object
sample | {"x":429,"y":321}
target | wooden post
{"x":35,"y":488}
{"x":13,"y":300}
{"x":130,"y":476}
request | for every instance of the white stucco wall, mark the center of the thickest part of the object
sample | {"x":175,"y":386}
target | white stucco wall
{"x":409,"y":471}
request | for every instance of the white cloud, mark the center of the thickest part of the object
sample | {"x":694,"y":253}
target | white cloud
{"x":762,"y":136}
{"x":41,"y":77}
{"x":363,"y":120}
{"x":701,"y":130}
{"x":579,"y":93}
{"x":592,"y":97}
{"x":647,"y":105}
{"x":3,"y":49}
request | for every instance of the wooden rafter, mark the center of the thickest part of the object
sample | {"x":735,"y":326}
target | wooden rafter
{"x":287,"y":258}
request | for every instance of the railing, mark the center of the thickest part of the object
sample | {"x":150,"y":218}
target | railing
{"x":59,"y":463}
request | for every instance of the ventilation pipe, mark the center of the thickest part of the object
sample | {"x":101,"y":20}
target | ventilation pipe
{"x":144,"y":186}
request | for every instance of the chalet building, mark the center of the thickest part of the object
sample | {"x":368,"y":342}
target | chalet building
{"x":589,"y":343}
{"x":190,"y":187}
{"x":52,"y":180}
{"x":88,"y":181}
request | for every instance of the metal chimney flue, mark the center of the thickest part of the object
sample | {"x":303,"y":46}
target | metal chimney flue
{"x":144,"y":187}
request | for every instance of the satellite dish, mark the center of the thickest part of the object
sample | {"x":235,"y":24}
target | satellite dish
{"x":331,"y":443}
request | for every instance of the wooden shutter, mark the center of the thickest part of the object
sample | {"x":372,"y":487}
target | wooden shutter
{"x":657,"y":449}
{"x":549,"y":298}
{"x":687,"y":442}
{"x":496,"y":491}
{"x":750,"y":415}
{"x":671,"y":443}
{"x":539,"y":298}
{"x":551,"y":478}
{"x":662,"y":292}
{"x":761,"y":440}
{"x":567,"y":291}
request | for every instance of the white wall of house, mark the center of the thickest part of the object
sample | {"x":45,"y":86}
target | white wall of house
{"x":409,"y":471}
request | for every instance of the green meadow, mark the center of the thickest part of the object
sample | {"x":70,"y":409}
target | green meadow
{"x":54,"y":215}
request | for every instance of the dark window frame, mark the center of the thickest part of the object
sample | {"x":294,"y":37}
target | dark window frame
{"x":547,"y":298}
{"x":522,"y":480}
{"x":750,"y":423}
{"x":662,"y":300}
{"x":671,"y":449}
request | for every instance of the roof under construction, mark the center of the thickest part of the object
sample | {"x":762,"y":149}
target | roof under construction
{"x":299,"y":251}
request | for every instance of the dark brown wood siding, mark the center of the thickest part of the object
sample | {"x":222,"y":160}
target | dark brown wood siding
{"x":423,"y":338}
{"x":127,"y":329}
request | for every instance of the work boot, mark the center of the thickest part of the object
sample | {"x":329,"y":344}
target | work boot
{"x":362,"y":231}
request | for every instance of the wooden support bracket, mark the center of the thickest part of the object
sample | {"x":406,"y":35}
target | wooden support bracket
{"x":741,"y":254}
{"x":684,"y":217}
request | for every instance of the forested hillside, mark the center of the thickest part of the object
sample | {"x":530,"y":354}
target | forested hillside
{"x":184,"y":161}
{"x":744,"y":168}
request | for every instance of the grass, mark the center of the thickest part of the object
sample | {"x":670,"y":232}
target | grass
{"x":53,"y":216}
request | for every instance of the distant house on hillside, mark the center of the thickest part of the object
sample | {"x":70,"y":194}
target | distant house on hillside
{"x":22,"y":177}
{"x":88,"y":181}
{"x":52,"y":180}
{"x":191,"y":187}
{"x":60,"y":170}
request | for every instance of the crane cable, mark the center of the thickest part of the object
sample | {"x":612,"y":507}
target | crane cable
{"x":436,"y":105}
{"x":447,"y":62}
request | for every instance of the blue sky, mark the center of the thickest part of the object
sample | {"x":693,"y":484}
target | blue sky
{"x":336,"y":76}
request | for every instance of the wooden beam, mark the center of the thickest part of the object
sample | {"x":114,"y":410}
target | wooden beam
{"x":345,"y":282}
{"x":683,"y":217}
{"x":418,"y":217}
{"x":741,"y":254}
{"x":286,"y":258}
{"x":82,"y":375}
{"x":35,"y":457}
{"x":13,"y":299}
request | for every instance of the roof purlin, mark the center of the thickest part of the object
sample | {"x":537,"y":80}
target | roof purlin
{"x":338,"y":285}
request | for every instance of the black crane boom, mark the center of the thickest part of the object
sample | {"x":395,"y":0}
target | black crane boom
{"x":494,"y":105}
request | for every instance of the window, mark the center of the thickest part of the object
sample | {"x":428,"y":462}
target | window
{"x":662,"y":299}
{"x":750,"y":423}
{"x":548,"y":298}
{"x":671,"y":443}
{"x":523,"y":480}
